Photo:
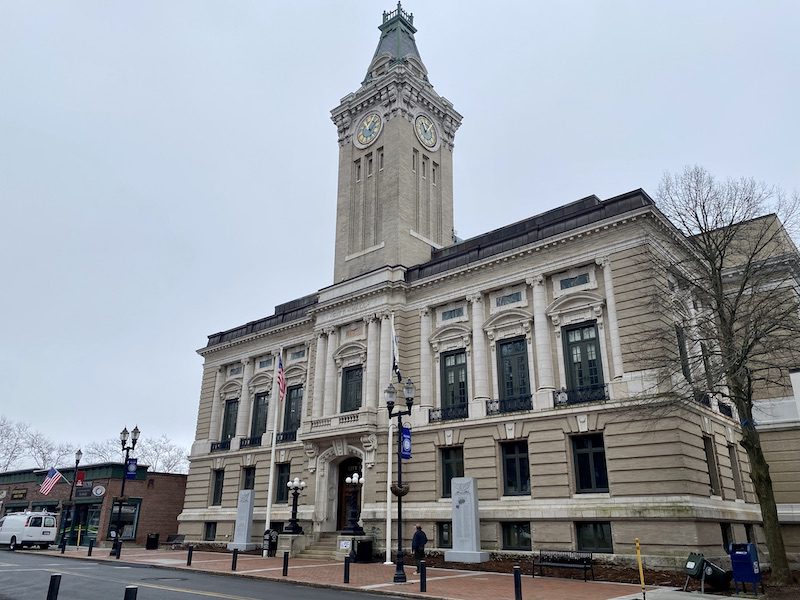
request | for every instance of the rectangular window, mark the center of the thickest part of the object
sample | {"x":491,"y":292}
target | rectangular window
{"x":218,"y":481}
{"x":265,"y":363}
{"x":589,"y":458}
{"x":511,"y":298}
{"x":414,"y":159}
{"x":236,"y":370}
{"x":516,"y":469}
{"x":727,"y":534}
{"x":453,"y":313}
{"x":444,"y":534}
{"x":258,"y":425}
{"x":357,"y":166}
{"x":516,"y":535}
{"x":737,"y":473}
{"x":424,"y":167}
{"x":582,"y":360}
{"x":249,"y":478}
{"x":711,"y":461}
{"x":512,"y":367}
{"x":297,"y":354}
{"x":569,"y":282}
{"x":433,"y":173}
{"x":454,"y":379}
{"x":229,"y":419}
{"x":209,"y":531}
{"x":369,"y":165}
{"x":750,"y":533}
{"x":684,"y":354}
{"x":380,"y":159}
{"x":281,"y":480}
{"x":351,"y":388}
{"x":294,"y":403}
{"x":594,"y":537}
{"x":452,"y":466}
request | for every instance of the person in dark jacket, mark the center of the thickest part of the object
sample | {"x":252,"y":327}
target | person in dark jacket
{"x":418,"y":545}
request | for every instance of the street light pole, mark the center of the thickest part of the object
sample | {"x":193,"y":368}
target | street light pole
{"x":399,"y":489}
{"x":295,"y":485}
{"x":353,"y":528}
{"x":123,"y":438}
{"x":78,"y":456}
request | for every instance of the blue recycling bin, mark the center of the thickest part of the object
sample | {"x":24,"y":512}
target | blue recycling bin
{"x":744,"y":562}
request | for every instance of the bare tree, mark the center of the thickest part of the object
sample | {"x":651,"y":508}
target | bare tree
{"x":734,"y":292}
{"x":45,"y":452}
{"x":161,"y":454}
{"x":12,"y":442}
{"x":107,"y":450}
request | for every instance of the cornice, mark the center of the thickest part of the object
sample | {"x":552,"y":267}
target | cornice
{"x":205,"y":351}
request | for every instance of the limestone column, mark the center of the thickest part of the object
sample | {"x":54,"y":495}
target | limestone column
{"x":245,"y":403}
{"x":541,"y":333}
{"x":319,"y":376}
{"x":373,"y":361}
{"x":479,"y":360}
{"x":613,"y":325}
{"x":329,"y":407}
{"x":426,"y":380}
{"x":214,"y":425}
{"x":385,"y":375}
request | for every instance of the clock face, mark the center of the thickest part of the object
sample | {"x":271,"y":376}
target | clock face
{"x":426,"y":131}
{"x":369,"y":129}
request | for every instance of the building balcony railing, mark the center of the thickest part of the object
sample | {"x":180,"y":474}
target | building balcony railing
{"x":362,"y":420}
{"x":510,"y":404}
{"x":725,"y":409}
{"x":250,"y":442}
{"x":220,"y":446}
{"x":448,"y":413}
{"x":287,"y":436}
{"x":581,"y":395}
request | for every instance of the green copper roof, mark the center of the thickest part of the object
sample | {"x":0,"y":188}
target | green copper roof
{"x":396,"y":46}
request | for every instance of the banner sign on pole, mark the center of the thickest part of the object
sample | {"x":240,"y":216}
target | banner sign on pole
{"x":405,"y":446}
{"x":79,"y":477}
{"x":130,"y":469}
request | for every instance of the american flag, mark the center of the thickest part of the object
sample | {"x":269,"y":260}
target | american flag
{"x":281,"y":380}
{"x":50,"y":481}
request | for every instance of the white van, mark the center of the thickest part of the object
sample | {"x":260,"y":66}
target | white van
{"x":28,"y":529}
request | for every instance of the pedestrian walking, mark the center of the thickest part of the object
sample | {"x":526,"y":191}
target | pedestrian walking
{"x":418,"y":545}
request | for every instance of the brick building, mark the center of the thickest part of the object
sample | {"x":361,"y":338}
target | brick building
{"x":153,"y":501}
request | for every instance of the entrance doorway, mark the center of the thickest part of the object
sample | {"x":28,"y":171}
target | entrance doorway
{"x":346,"y":492}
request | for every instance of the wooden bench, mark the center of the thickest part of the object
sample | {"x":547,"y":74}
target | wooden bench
{"x":174,"y":541}
{"x":566,"y":559}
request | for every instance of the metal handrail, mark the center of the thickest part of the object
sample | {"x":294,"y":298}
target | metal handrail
{"x":448,"y":413}
{"x":581,"y":395}
{"x":509,"y":404}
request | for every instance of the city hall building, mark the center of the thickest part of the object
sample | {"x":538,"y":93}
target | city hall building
{"x":527,"y":346}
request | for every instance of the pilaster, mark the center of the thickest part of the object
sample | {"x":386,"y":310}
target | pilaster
{"x":426,"y":380}
{"x":245,"y":402}
{"x":373,"y":361}
{"x":329,"y":407}
{"x":613,"y":324}
{"x":319,"y":375}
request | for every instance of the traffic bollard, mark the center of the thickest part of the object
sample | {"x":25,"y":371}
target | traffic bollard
{"x":346,"y":569}
{"x":234,"y":559}
{"x":91,"y":545}
{"x":423,"y":577}
{"x":55,"y":583}
{"x":119,"y":548}
{"x":517,"y":583}
{"x":285,"y":564}
{"x":130,"y":592}
{"x":189,"y":556}
{"x":63,"y":546}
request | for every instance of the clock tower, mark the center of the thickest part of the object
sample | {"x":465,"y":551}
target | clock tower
{"x":395,"y":196}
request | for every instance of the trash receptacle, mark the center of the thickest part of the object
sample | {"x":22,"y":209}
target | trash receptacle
{"x":364,"y":551}
{"x":694,"y":565}
{"x":717,"y":577}
{"x":152,"y":541}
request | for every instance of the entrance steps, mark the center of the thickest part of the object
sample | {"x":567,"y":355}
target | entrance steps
{"x":323,"y":549}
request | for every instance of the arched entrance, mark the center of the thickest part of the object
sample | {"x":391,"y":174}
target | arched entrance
{"x":346,"y":492}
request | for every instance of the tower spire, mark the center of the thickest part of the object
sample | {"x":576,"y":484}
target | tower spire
{"x":396,"y":46}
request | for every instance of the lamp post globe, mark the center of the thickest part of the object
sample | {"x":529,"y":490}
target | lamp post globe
{"x":294,"y":485}
{"x":399,"y":490}
{"x":356,"y":482}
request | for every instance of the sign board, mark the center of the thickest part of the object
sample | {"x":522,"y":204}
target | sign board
{"x":130,"y":469}
{"x":344,"y":544}
{"x":19,"y":494}
{"x":405,"y":443}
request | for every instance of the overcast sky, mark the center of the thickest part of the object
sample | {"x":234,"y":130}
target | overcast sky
{"x":168,"y":169}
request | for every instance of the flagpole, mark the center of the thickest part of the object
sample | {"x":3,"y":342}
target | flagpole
{"x":388,"y":560}
{"x":271,"y":480}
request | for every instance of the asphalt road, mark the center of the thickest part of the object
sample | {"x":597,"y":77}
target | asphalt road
{"x":26,"y":576}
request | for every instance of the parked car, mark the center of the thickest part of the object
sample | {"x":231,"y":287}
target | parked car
{"x":28,"y":529}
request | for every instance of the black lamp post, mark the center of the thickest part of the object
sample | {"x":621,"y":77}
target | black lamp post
{"x":295,"y":485}
{"x":123,"y":438}
{"x":78,"y":456}
{"x":399,"y":489}
{"x":353,"y":528}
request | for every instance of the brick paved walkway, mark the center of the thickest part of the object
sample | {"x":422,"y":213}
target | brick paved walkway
{"x":447,"y":584}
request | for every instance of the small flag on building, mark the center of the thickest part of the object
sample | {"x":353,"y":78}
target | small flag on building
{"x":50,"y":481}
{"x":281,"y":380}
{"x":395,"y":354}
{"x":80,"y":477}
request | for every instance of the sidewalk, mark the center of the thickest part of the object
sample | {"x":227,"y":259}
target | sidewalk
{"x":444,"y":584}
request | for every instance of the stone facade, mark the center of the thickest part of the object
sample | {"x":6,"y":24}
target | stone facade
{"x":529,"y":348}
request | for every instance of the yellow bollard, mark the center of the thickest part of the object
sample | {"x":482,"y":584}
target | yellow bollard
{"x":78,"y":543}
{"x":641,"y":572}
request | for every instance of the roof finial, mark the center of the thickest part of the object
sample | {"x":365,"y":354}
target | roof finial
{"x":398,"y":12}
